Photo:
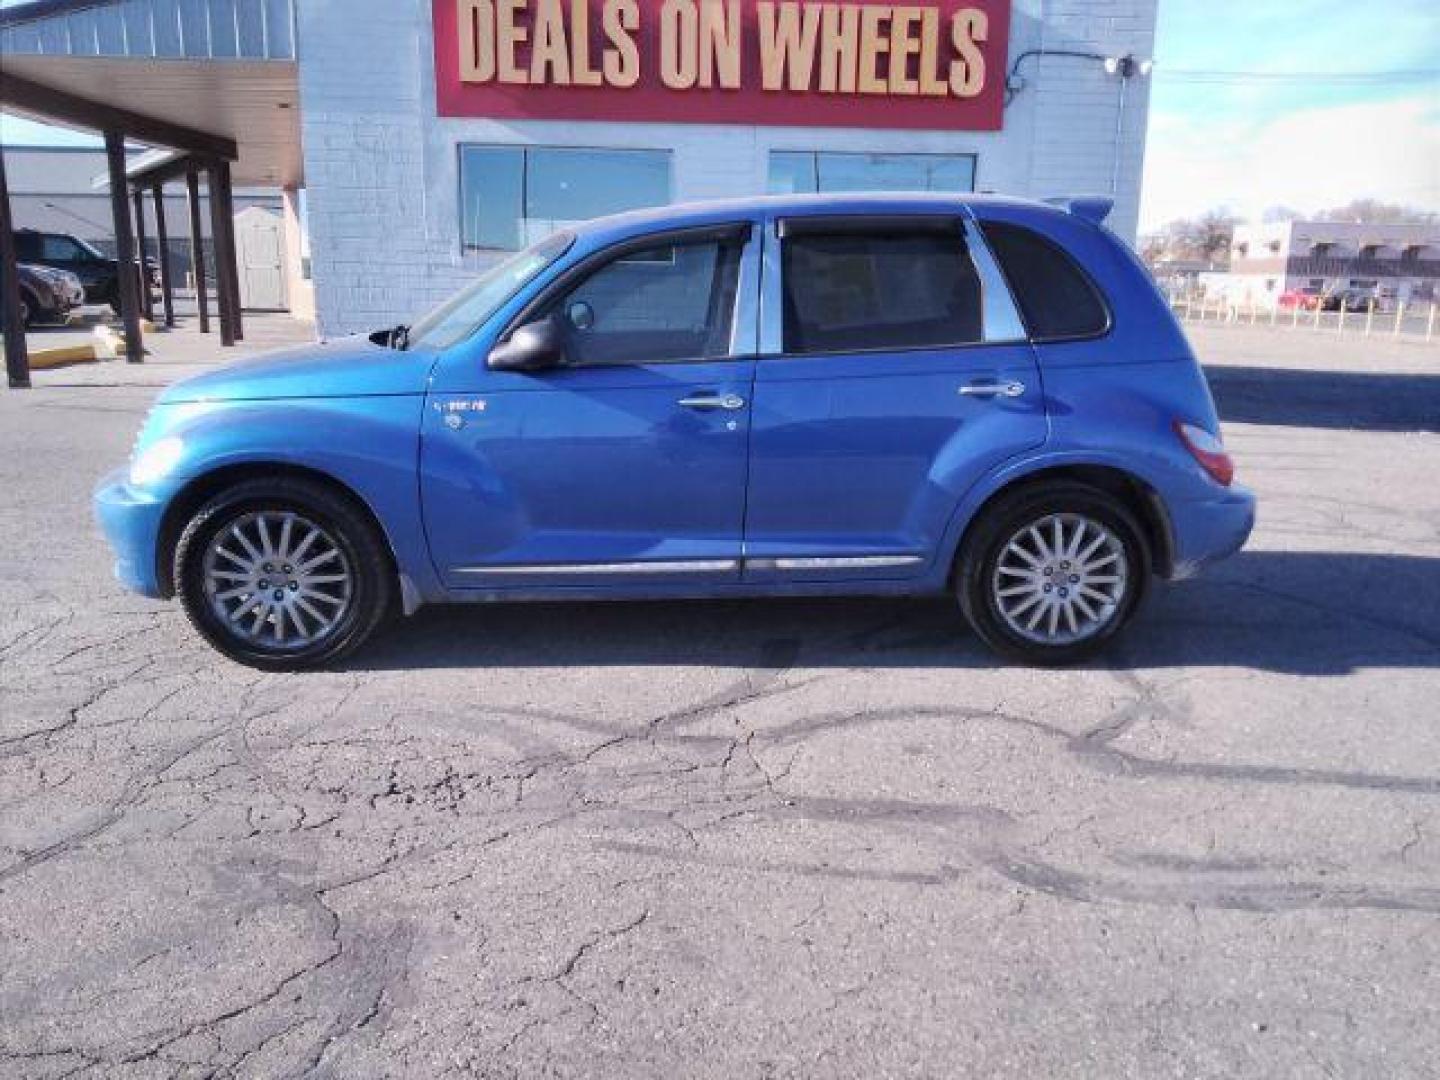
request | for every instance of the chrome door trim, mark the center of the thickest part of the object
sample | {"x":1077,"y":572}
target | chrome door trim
{"x":837,"y":562}
{"x":674,"y":566}
{"x":697,"y":566}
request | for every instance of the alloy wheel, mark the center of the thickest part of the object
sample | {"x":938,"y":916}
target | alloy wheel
{"x":277,"y":580}
{"x":1061,"y":579}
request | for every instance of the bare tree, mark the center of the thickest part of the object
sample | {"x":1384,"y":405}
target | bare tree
{"x":1206,"y":238}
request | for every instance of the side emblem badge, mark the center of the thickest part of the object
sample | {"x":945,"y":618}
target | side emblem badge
{"x":454,"y":411}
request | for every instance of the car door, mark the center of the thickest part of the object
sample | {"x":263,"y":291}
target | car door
{"x":625,"y":467}
{"x":894,"y":374}
{"x":64,"y":253}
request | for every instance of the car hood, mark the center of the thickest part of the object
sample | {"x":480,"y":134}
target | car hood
{"x":345,"y":367}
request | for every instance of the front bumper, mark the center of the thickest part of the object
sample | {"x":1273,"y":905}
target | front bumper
{"x":1208,"y":530}
{"x":130,"y":518}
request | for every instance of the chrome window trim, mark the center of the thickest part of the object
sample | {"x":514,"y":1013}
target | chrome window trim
{"x":999,"y":314}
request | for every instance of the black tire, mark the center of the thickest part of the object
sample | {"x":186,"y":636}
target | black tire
{"x":27,"y":310}
{"x":978,"y":569}
{"x":372,"y":586}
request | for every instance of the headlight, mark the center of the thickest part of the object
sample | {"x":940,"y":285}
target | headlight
{"x":156,"y":461}
{"x":73,"y":280}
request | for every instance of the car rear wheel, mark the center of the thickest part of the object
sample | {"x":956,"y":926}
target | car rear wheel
{"x":283,"y":575}
{"x":1051,"y":574}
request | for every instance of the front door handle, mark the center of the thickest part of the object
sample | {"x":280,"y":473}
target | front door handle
{"x":729,"y":402}
{"x":1012,"y":389}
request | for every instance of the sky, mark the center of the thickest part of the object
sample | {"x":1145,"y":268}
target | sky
{"x":1310,"y":129}
{"x":1312,"y":122}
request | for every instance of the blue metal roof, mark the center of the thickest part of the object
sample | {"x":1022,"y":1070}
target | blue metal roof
{"x":151,"y":29}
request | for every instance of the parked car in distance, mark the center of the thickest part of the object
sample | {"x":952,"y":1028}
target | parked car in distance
{"x":980,"y":397}
{"x":1304,"y":299}
{"x":1348,"y":300}
{"x":47,"y":295}
{"x":99,"y":274}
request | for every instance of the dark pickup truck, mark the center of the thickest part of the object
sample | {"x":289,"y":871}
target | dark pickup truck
{"x":98,"y":273}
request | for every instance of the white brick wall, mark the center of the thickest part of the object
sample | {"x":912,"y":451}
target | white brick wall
{"x":382,"y":170}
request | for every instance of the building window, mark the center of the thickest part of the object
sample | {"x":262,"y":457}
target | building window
{"x":512,"y":197}
{"x":803,"y":172}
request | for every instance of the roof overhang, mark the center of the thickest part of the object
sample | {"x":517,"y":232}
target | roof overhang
{"x":210,"y":78}
{"x":248,"y":107}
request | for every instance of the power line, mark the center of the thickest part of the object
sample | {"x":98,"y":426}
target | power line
{"x":1399,"y":75}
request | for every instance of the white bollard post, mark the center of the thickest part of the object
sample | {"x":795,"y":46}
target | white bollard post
{"x":1430,"y":326}
{"x":1319,"y":310}
{"x":1370,"y":317}
{"x":1399,"y":317}
{"x":1340,"y":323}
{"x":1296,"y":321}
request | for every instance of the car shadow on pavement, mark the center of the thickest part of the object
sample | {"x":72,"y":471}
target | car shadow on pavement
{"x":1326,"y":399}
{"x":1310,"y":613}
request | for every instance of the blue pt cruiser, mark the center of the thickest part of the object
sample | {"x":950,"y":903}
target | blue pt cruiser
{"x":884,"y":394}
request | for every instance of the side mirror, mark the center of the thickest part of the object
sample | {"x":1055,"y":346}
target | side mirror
{"x":534,"y":347}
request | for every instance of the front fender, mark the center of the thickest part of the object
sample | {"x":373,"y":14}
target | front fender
{"x":368,"y":444}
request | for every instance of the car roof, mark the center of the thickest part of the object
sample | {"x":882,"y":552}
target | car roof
{"x":710,"y":212}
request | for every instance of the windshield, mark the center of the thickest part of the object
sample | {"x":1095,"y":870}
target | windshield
{"x":462,"y":314}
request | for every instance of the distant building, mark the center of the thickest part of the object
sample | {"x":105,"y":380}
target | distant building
{"x":1396,"y":263}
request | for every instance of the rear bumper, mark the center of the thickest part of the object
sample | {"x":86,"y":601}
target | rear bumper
{"x":130,"y":518}
{"x":1208,"y":530}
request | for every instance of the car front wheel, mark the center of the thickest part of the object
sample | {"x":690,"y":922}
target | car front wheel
{"x":1051,"y":574}
{"x":284,"y":574}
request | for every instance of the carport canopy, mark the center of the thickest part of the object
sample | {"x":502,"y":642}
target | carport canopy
{"x":211,"y":84}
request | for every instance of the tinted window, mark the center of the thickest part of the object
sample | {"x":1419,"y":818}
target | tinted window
{"x":27,"y":246}
{"x":512,"y":196}
{"x":61,"y":249}
{"x":654,"y":306}
{"x":1055,"y":296}
{"x":847,"y":292}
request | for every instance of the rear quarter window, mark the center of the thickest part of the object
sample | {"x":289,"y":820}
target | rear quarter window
{"x":1057,"y":299}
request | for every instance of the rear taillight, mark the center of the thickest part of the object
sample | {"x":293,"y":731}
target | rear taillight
{"x":1208,"y":450}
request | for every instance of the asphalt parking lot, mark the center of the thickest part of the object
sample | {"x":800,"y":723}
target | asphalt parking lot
{"x":767,"y":839}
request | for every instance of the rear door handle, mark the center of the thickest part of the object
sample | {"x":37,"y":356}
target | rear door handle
{"x":728,"y":402}
{"x":1012,"y":389}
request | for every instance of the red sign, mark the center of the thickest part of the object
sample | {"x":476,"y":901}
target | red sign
{"x":937,"y":64}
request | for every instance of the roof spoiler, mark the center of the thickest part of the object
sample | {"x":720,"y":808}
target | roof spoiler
{"x":1093,"y":208}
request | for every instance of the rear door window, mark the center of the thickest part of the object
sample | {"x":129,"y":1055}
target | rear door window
{"x":853,"y":289}
{"x":1057,"y":299}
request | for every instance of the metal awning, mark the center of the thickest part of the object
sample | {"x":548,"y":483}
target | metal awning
{"x":224,"y":68}
{"x":213,"y":84}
